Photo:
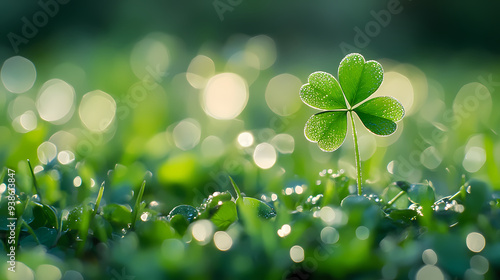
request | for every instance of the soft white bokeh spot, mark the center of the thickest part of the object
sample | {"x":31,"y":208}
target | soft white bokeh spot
{"x":18,"y":74}
{"x":223,"y":240}
{"x":187,"y":134}
{"x":475,"y":242}
{"x":225,"y":96}
{"x":48,"y":272}
{"x":265,"y":155}
{"x":284,"y":143}
{"x":55,"y":101}
{"x":97,"y":110}
{"x":47,"y":151}
{"x":150,"y":56}
{"x":297,"y":253}
{"x":282,"y":94}
{"x":245,"y":139}
{"x":199,"y":71}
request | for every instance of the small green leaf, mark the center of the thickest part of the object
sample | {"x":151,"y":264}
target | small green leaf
{"x":422,"y":194}
{"x":102,"y":228}
{"x":249,"y":205}
{"x":187,"y":211}
{"x":137,"y":207}
{"x":155,"y":231}
{"x":359,"y":79}
{"x":380,"y":114}
{"x":76,"y":217}
{"x":179,"y":223}
{"x":403,"y":215}
{"x":328,"y":129}
{"x":51,"y":215}
{"x":322,"y":92}
{"x":118,"y":214}
{"x":225,"y":215}
{"x":262,"y":209}
{"x":211,"y":204}
{"x":46,"y":236}
{"x":478,"y":194}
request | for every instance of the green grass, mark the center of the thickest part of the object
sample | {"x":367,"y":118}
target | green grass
{"x":139,"y":200}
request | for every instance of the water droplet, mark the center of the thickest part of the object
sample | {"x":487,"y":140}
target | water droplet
{"x":188,"y":211}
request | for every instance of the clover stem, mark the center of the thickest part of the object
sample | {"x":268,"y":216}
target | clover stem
{"x":356,"y":152}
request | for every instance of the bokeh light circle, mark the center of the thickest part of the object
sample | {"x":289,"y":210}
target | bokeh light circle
{"x":18,"y":74}
{"x":55,"y":101}
{"x":225,"y":96}
{"x":265,"y":155}
{"x":97,"y":110}
{"x":282,"y":94}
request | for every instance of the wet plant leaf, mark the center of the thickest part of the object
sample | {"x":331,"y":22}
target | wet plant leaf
{"x":322,"y":92}
{"x":359,"y":78}
{"x":253,"y":206}
{"x":101,"y":227}
{"x":179,"y":223}
{"x":380,"y":114}
{"x":46,"y":236}
{"x":225,"y":215}
{"x":118,"y":214}
{"x":422,"y":194}
{"x":404,"y":215}
{"x":187,"y":211}
{"x":211,"y":204}
{"x":328,"y":129}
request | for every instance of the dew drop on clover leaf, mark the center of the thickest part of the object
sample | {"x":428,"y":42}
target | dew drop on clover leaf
{"x":187,"y":211}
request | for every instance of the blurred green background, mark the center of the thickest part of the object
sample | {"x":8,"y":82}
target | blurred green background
{"x":152,"y":62}
{"x":195,"y":91}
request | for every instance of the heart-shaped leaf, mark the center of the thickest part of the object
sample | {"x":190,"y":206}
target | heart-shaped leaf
{"x":322,"y":92}
{"x":359,"y":79}
{"x":328,"y":129}
{"x":380,"y":114}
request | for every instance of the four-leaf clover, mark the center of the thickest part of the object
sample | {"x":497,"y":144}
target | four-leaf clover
{"x":358,"y":79}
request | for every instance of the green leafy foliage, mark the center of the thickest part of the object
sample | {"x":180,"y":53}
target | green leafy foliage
{"x":352,"y":231}
{"x":253,"y":206}
{"x":358,"y":80}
